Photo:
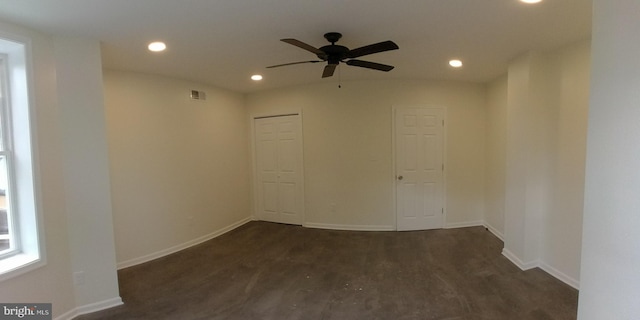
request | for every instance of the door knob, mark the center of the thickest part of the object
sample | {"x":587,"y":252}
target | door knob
{"x":400,"y":177}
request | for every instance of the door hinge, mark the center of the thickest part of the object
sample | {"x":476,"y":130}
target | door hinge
{"x":442,"y":210}
{"x":443,"y":167}
{"x":443,"y":123}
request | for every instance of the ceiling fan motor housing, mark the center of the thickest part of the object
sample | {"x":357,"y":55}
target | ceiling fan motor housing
{"x":333,"y":53}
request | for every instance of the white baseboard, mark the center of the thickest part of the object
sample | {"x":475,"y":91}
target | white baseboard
{"x":349,"y":227}
{"x":174,"y":249}
{"x":93,"y":307}
{"x":464,"y":224}
{"x":476,"y":224}
{"x":560,"y":275}
{"x":542,"y":265}
{"x":494,"y":231}
{"x":519,"y":263}
{"x":67,"y":315}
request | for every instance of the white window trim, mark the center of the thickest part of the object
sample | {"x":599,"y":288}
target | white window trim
{"x":30,"y":253}
{"x":7,"y":154}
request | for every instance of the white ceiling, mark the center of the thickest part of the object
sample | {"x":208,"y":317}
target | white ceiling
{"x":224,"y":42}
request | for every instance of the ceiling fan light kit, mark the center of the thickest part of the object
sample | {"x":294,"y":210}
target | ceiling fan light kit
{"x":333,"y":54}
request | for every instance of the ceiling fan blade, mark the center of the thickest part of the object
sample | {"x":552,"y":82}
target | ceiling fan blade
{"x":328,"y":70}
{"x":372,"y":48}
{"x":291,"y":63}
{"x":303,"y":45}
{"x":370,"y":65}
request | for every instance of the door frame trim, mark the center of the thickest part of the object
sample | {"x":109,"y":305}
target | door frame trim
{"x":254,"y":166}
{"x":444,"y":109}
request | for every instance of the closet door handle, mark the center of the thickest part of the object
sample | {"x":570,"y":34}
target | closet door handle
{"x":400,"y":177}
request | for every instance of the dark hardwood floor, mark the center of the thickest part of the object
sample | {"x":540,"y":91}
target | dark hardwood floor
{"x":272,"y":271}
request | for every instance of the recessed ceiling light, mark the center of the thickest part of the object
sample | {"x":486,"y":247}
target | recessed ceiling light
{"x":256,"y":77}
{"x":157,"y":46}
{"x":455,"y":63}
{"x":531,"y":1}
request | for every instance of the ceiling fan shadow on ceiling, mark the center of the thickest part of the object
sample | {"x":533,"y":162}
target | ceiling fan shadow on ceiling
{"x":333,"y":54}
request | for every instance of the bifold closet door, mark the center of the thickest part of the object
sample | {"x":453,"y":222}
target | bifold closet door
{"x":278,"y":151}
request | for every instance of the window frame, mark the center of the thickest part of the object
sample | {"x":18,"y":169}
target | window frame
{"x":6,"y":152}
{"x":28,"y":252}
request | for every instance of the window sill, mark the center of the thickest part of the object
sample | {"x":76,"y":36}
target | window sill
{"x":19,"y":264}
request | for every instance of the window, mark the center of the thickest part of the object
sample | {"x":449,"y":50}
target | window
{"x":20,"y":241}
{"x":7,"y":243}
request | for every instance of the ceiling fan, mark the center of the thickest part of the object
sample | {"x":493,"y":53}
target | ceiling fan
{"x":333,"y":54}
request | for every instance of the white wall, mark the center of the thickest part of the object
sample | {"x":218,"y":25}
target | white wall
{"x":543,"y":105}
{"x":495,"y":155}
{"x":179,"y":168}
{"x":561,"y":244}
{"x":86,"y":170}
{"x":527,"y":164}
{"x":348,"y":147}
{"x":610,"y":281}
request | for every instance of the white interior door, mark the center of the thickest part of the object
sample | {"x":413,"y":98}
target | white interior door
{"x":279,"y":180}
{"x":419,"y":144}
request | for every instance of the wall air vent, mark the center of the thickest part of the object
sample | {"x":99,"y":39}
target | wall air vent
{"x":198,"y":95}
